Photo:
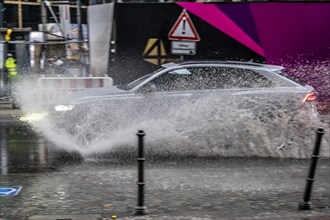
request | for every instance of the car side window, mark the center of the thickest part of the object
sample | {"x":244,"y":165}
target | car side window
{"x":226,"y":78}
{"x":202,"y":78}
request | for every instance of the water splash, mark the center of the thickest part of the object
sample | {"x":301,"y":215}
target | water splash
{"x":210,"y":126}
{"x":312,"y":72}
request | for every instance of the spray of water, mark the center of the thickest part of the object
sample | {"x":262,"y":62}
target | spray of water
{"x":312,"y":72}
{"x":227,"y":126}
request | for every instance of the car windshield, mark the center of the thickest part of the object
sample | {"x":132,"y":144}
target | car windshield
{"x":136,"y":82}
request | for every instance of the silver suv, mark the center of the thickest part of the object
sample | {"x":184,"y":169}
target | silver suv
{"x":216,"y":90}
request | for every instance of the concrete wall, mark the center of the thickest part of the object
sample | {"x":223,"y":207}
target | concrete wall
{"x":100,"y":19}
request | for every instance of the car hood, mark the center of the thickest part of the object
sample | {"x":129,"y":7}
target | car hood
{"x":91,"y":94}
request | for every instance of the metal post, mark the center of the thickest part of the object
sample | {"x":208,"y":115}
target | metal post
{"x":80,"y":35}
{"x":306,"y":203}
{"x":20,"y":17}
{"x":44,"y":30}
{"x":80,"y":39}
{"x":43,"y":16}
{"x":1,"y":14}
{"x":141,"y":209}
{"x":2,"y":45}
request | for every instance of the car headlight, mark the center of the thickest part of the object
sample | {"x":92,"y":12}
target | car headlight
{"x":63,"y":108}
{"x":33,"y":117}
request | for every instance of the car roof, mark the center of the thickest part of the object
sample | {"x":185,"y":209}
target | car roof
{"x":248,"y":64}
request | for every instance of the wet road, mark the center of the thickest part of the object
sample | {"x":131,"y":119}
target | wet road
{"x":57,"y":185}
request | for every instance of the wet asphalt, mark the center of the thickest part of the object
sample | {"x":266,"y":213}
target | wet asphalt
{"x":58,"y":185}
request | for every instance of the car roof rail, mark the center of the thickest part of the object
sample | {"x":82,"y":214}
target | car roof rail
{"x":232,"y":62}
{"x":217,"y":62}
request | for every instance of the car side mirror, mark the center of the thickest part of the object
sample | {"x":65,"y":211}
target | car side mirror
{"x":153,"y":87}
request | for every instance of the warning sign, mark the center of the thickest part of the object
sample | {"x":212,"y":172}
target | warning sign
{"x":184,"y":29}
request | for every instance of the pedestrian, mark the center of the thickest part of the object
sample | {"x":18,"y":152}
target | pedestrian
{"x":10,"y":65}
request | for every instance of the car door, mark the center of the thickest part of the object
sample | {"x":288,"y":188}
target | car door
{"x":167,"y":92}
{"x":216,"y":86}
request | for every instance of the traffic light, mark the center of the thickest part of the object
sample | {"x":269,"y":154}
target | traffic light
{"x":8,"y":34}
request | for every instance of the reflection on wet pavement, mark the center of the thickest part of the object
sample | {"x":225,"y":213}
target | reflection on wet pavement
{"x":56,"y":183}
{"x":23,"y":151}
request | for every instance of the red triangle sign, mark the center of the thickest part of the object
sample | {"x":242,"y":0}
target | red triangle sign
{"x":183,"y":29}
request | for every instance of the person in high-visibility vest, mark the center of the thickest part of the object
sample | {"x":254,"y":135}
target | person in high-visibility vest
{"x":10,"y":64}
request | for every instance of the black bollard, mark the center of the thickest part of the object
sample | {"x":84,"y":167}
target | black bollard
{"x":306,"y":203}
{"x":141,"y":209}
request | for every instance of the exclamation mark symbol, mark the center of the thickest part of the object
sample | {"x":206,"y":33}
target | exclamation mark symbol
{"x":184,"y":26}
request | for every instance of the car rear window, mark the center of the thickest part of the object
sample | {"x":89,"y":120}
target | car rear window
{"x":223,"y":77}
{"x":291,"y":78}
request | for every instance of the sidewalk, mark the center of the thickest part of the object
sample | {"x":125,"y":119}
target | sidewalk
{"x":214,"y":190}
